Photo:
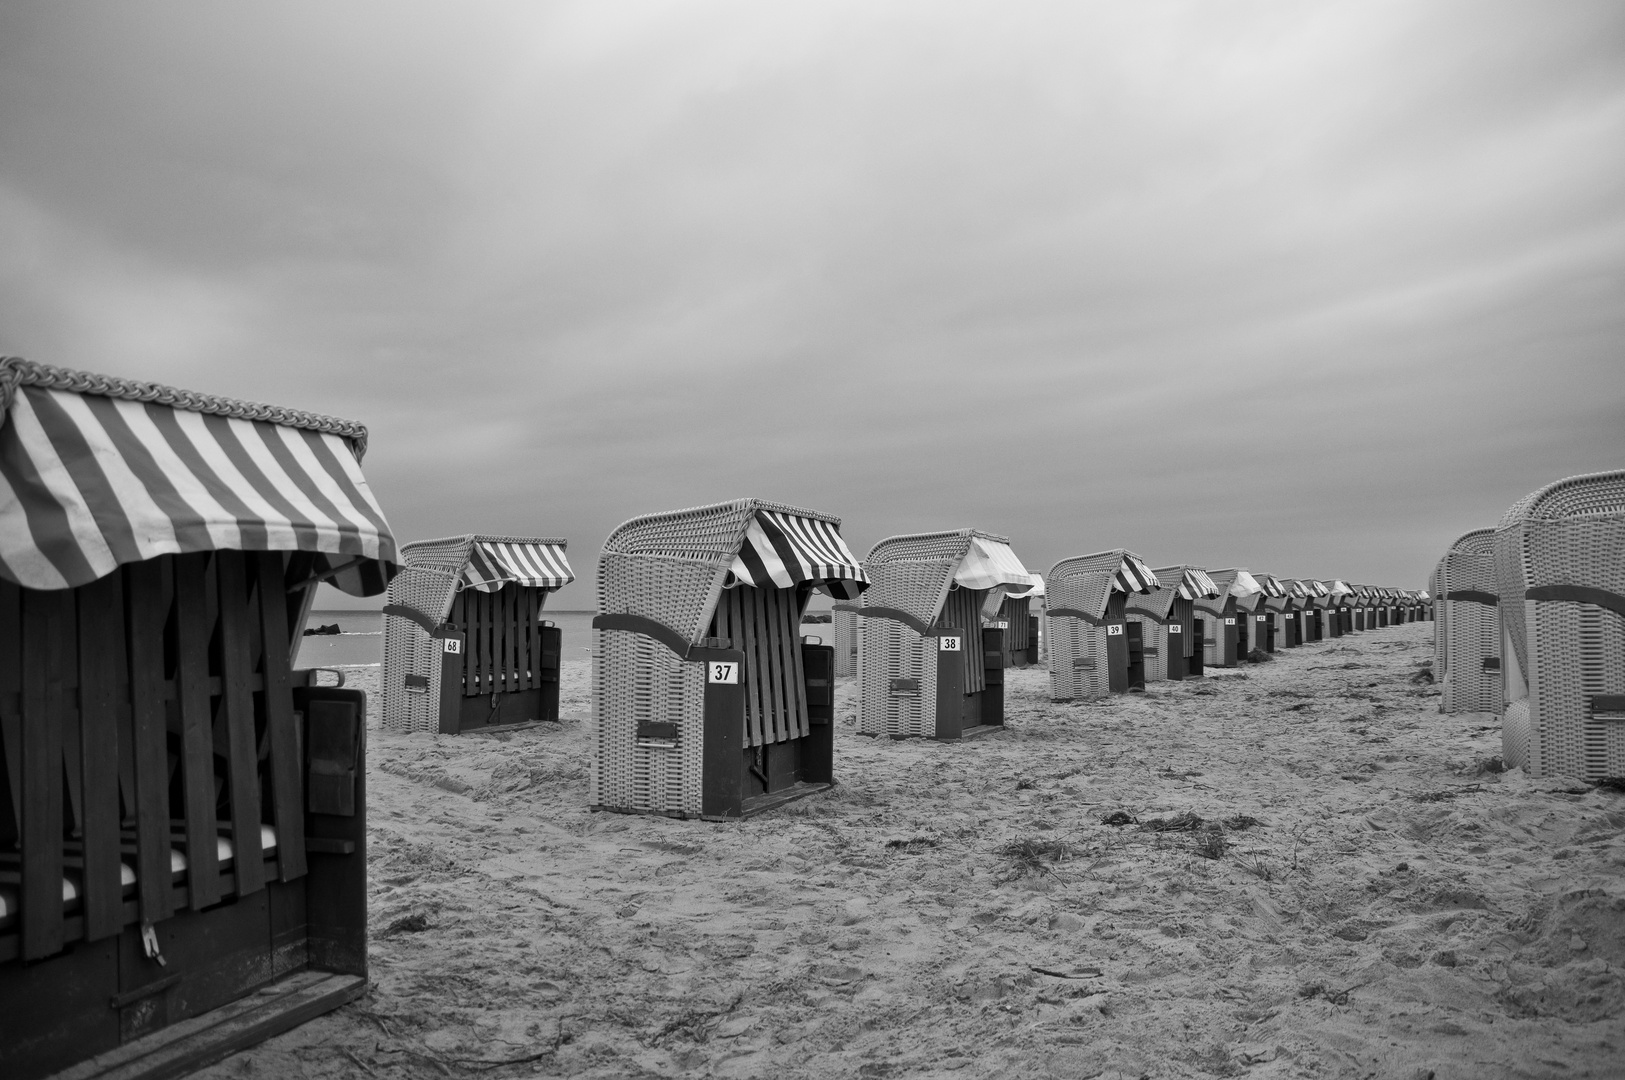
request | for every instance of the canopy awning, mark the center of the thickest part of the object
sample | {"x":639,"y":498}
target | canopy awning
{"x":1313,"y":587}
{"x":1194,"y":583}
{"x":1338,"y":587}
{"x":782,"y":550}
{"x":1269,"y":586}
{"x":989,"y":564}
{"x":1245,"y":585}
{"x":96,"y":472}
{"x":535,"y":564}
{"x":1134,"y":576}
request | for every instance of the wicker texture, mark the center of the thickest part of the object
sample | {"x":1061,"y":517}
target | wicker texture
{"x":1077,"y":650}
{"x":15,"y":372}
{"x":1469,"y":632}
{"x":1563,"y":653}
{"x":427,"y":583}
{"x":670,"y":567}
{"x":915,"y":573}
{"x":844,"y":629}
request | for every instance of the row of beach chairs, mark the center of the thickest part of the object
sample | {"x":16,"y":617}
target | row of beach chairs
{"x":183,"y":813}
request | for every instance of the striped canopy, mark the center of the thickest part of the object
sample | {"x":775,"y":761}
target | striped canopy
{"x":96,"y":472}
{"x":1194,"y":583}
{"x":1270,"y":586}
{"x":1339,"y":587}
{"x":1312,"y":587}
{"x":989,"y":564}
{"x":1293,"y":587}
{"x":1134,"y":576}
{"x":535,"y":564}
{"x":782,"y":550}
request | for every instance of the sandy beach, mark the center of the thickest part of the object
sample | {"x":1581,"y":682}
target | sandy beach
{"x":1312,"y":873}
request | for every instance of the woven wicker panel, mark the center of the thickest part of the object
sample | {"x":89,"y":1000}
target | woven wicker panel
{"x":1084,"y":583}
{"x":844,"y":629}
{"x":638,"y":679}
{"x":1213,"y":638}
{"x":917,"y":586}
{"x":709,"y":534}
{"x":890,"y":650}
{"x":1068,"y":641}
{"x":427,"y":583}
{"x":1568,"y":533}
{"x":1515,"y":731}
{"x":679,"y":593}
{"x":926,"y":547}
{"x":1470,"y":632}
{"x":1154,"y":638}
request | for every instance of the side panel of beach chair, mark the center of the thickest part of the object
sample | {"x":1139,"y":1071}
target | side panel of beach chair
{"x":844,"y":630}
{"x":1469,"y":669}
{"x":1020,"y":644}
{"x":1560,"y":566}
{"x":415,"y":698}
{"x":1153,"y":636}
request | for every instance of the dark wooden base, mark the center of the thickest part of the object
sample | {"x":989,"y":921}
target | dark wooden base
{"x":191,"y":1044}
{"x":758,"y":804}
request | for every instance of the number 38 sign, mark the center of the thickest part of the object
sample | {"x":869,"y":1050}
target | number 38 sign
{"x":950,"y":643}
{"x":722,"y":671}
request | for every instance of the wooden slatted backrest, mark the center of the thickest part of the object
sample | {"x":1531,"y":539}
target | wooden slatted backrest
{"x":765,"y":624}
{"x":183,"y":656}
{"x":505,"y":650}
{"x":962,"y":609}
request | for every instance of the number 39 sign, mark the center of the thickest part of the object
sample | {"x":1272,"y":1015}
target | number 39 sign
{"x":720,"y":671}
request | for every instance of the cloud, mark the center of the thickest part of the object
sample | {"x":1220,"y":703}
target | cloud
{"x":1308,"y":288}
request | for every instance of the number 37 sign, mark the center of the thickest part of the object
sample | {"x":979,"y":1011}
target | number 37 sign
{"x":722,"y":671}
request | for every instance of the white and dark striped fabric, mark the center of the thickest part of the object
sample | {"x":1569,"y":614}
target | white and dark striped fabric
{"x":90,"y":481}
{"x":1134,"y":576}
{"x":1194,"y":583}
{"x":535,"y":564}
{"x":1311,"y":587}
{"x":989,"y":564}
{"x":1269,"y":586}
{"x":782,"y":550}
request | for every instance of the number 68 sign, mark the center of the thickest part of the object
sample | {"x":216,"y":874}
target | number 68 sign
{"x":722,"y":671}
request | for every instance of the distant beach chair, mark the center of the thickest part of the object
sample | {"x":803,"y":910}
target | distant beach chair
{"x":465,"y":646}
{"x":1226,"y":617}
{"x":1283,"y":610}
{"x":1561,"y":579}
{"x":706,"y":701}
{"x":1264,"y":625}
{"x":1311,"y":610}
{"x":1172,"y":636}
{"x":182,"y":814}
{"x":844,"y":630}
{"x":1020,"y":627}
{"x":1339,"y":607}
{"x":929,"y":662}
{"x":1093,"y":650}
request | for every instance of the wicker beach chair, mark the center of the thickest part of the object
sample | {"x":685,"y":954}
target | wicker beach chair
{"x":1093,"y":650}
{"x":1560,"y":569}
{"x":1468,"y":635}
{"x":1171,"y":633}
{"x":706,"y":703}
{"x":1264,"y":625}
{"x":1339,"y":611}
{"x":1314,"y":615}
{"x":465,"y":646}
{"x":1020,"y":626}
{"x":929,"y":662}
{"x":182,"y":815}
{"x":844,"y":629}
{"x":1283,"y":611}
{"x":1225,"y":617}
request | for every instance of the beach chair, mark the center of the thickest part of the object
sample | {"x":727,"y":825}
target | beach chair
{"x":1560,"y":569}
{"x":844,"y":629}
{"x":1339,"y":607}
{"x":1283,"y":612}
{"x":1225,"y":617}
{"x":1093,"y":650}
{"x":1312,"y":610}
{"x":1264,"y":625}
{"x":1171,"y":634}
{"x":706,"y":702}
{"x":183,"y":838}
{"x":1468,"y":637}
{"x":1020,"y":628}
{"x":465,"y":646}
{"x":929,"y":662}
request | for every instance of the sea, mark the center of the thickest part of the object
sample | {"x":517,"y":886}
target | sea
{"x":360,"y":639}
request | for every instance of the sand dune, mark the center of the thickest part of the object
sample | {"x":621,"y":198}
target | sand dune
{"x":962,"y":909}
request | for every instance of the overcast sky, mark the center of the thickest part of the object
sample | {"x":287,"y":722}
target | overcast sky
{"x":1310,"y":288}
